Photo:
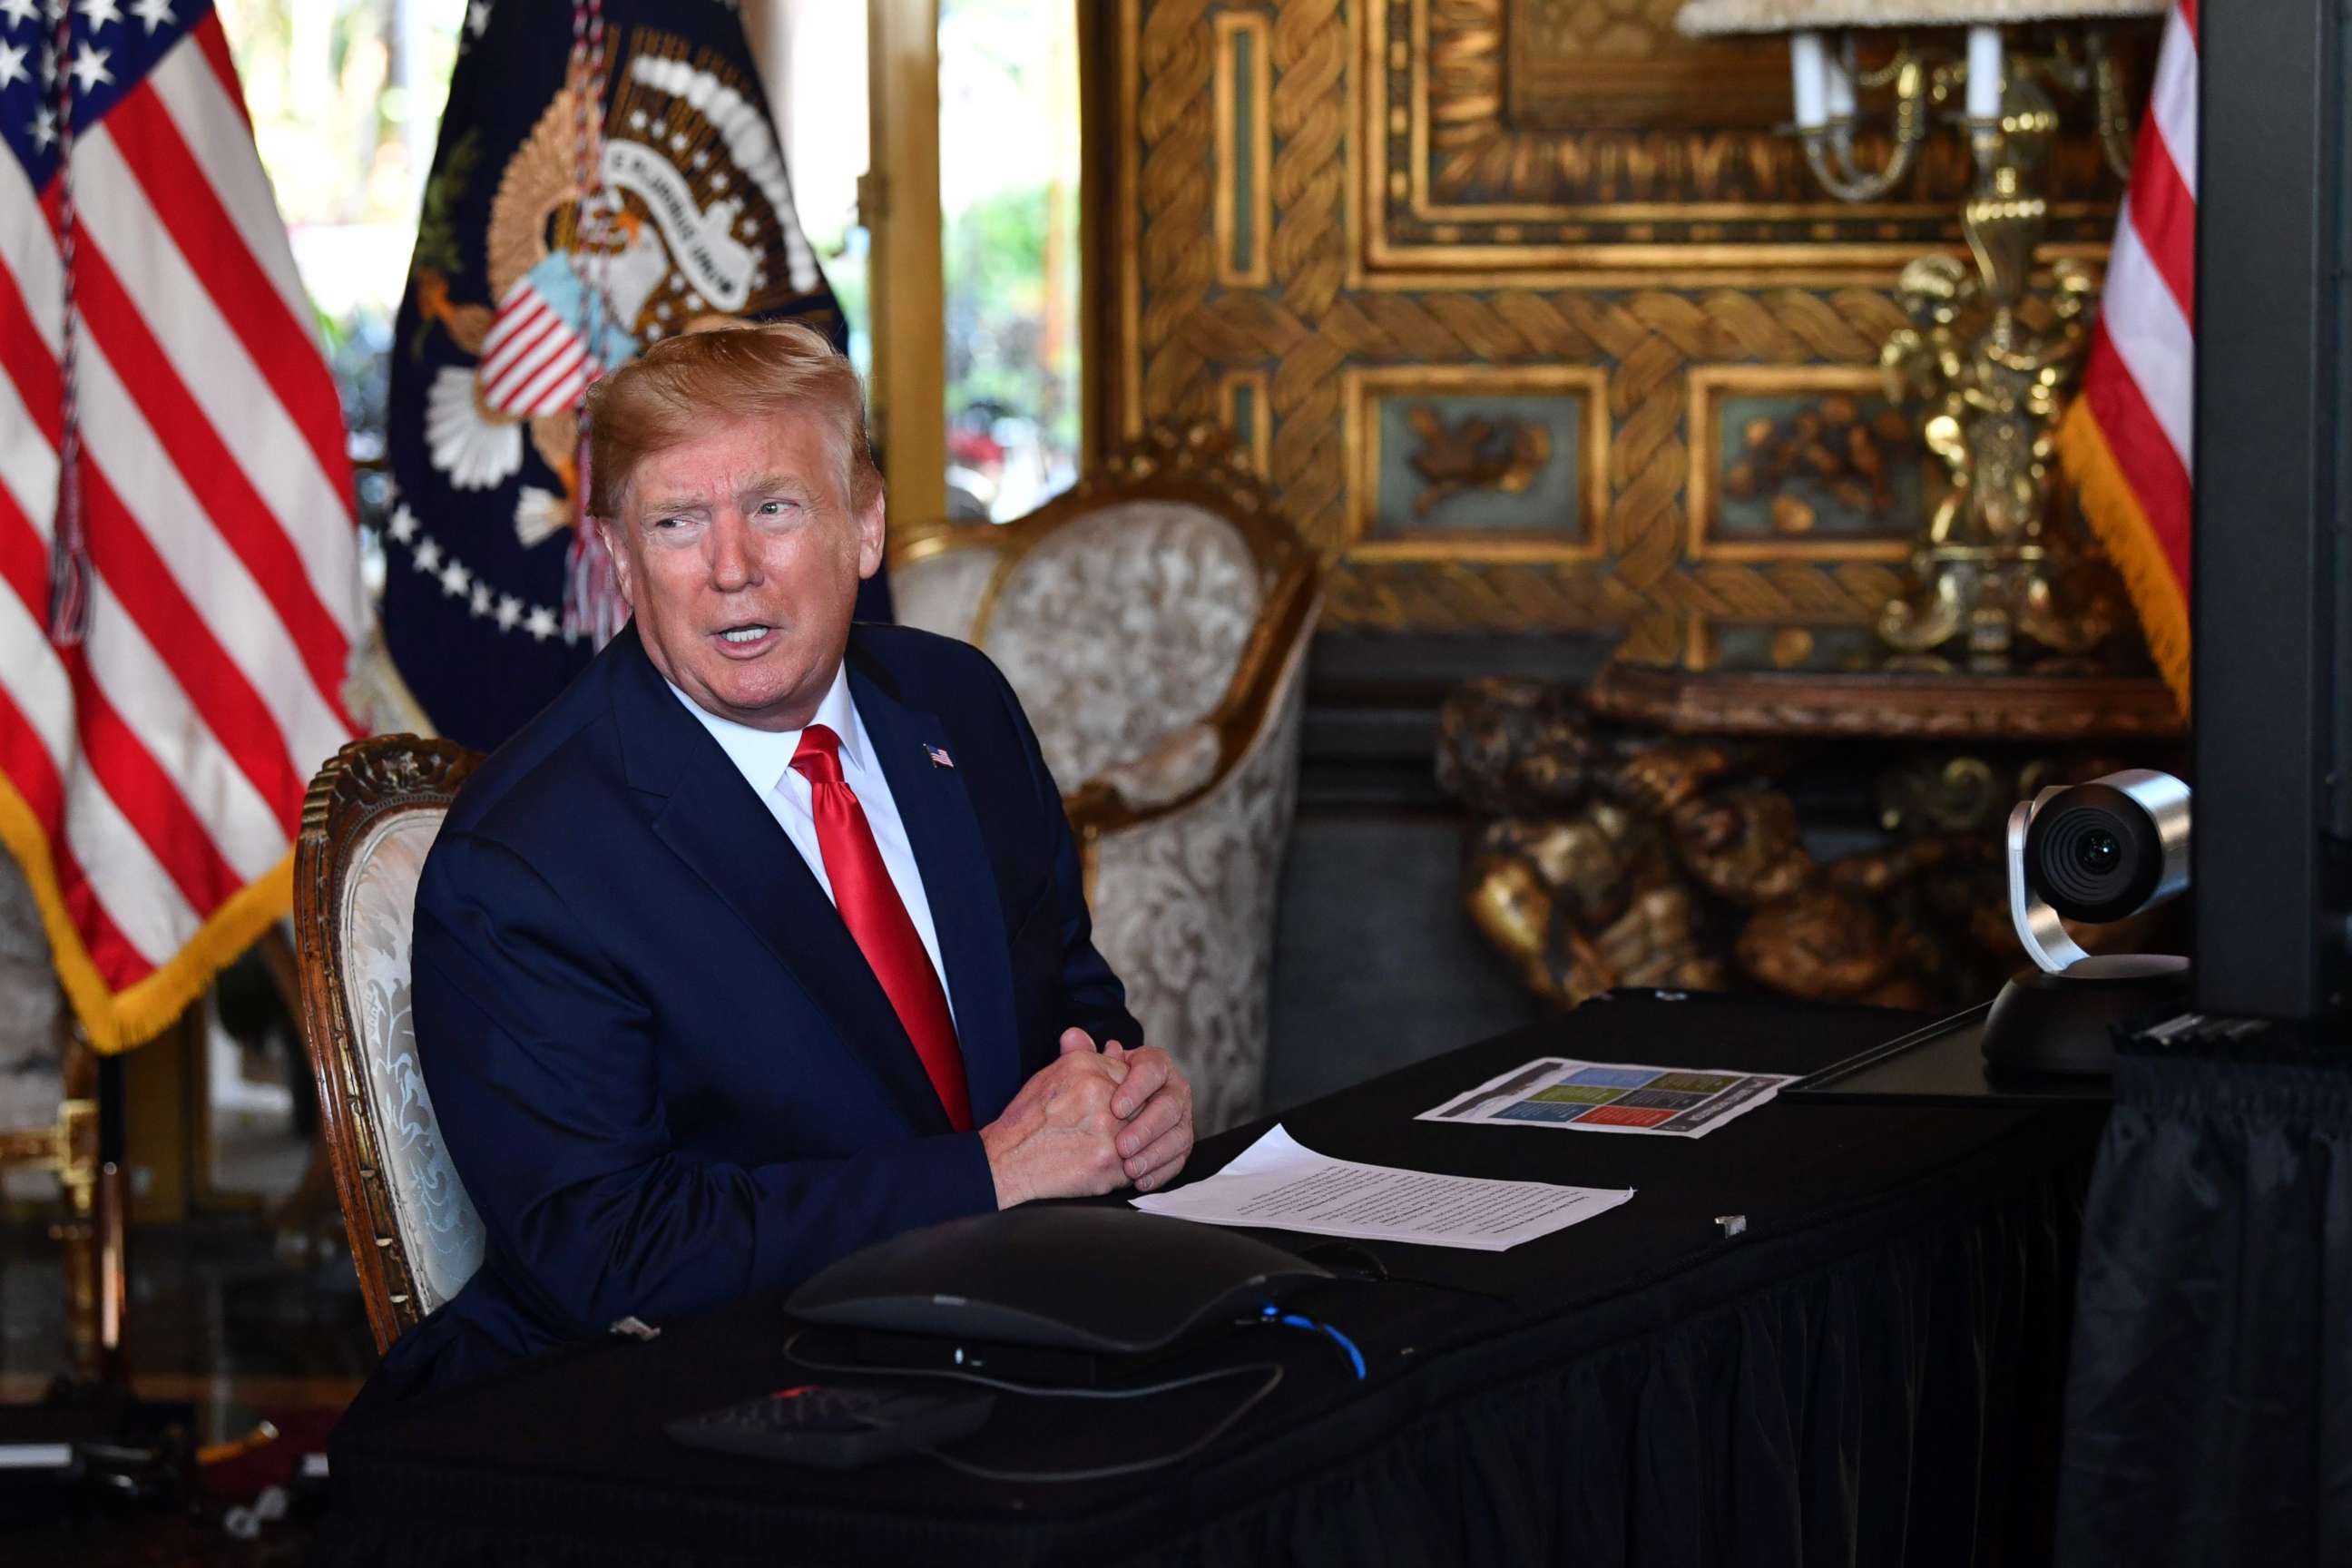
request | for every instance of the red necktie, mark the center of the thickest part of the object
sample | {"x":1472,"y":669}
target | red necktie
{"x":870,"y":907}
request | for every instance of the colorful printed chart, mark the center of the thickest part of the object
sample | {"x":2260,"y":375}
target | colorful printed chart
{"x":1612,"y":1097}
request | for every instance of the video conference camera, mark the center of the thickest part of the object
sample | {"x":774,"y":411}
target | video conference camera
{"x":2095,"y":853}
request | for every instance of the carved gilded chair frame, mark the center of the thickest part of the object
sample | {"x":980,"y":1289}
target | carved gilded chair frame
{"x":361,"y":786}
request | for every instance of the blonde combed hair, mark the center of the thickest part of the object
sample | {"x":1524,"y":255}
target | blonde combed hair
{"x":679,"y":387}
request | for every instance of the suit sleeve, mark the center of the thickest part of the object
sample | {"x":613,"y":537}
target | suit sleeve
{"x":1092,"y":997}
{"x":542,"y":1069}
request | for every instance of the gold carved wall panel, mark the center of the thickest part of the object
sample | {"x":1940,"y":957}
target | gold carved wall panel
{"x":1478,"y":282}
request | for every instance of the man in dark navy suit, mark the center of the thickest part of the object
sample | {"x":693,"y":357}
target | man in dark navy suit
{"x":767,"y":939}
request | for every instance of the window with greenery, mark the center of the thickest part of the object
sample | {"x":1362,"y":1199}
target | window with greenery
{"x":1009,"y":211}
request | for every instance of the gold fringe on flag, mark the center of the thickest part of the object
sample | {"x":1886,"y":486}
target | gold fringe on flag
{"x":117,"y":1021}
{"x":2113,"y":509}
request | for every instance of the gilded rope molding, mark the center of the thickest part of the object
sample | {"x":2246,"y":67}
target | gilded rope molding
{"x":1176,"y":123}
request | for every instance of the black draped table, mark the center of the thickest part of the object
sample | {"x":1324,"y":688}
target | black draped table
{"x":1870,"y":1372}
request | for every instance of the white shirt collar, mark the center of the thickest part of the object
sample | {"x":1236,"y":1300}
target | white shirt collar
{"x":765,"y":756}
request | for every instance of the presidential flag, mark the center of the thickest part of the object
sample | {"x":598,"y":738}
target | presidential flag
{"x":607,"y":174}
{"x":179,"y":591}
{"x":2127,"y":439}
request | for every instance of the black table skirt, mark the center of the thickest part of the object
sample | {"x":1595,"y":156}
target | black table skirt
{"x":1871,"y":1374}
{"x":2209,"y":1411}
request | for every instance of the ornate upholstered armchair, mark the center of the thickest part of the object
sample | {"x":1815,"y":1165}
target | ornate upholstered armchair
{"x":371,"y":814}
{"x":1154,"y":620}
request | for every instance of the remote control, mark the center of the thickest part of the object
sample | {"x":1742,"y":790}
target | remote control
{"x":835,"y":1428}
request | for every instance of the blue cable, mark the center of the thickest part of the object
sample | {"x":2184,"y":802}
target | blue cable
{"x":1274,"y":1314}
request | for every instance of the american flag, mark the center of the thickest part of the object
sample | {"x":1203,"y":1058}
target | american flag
{"x":2127,"y":439}
{"x":151,"y":773}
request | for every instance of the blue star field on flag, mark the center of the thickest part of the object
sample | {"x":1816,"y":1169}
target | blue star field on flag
{"x":110,"y":49}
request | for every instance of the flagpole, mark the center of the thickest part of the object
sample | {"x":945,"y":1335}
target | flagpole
{"x":93,"y":1232}
{"x":111,"y":1221}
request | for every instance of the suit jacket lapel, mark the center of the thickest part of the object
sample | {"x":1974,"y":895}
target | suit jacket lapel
{"x":712,"y":820}
{"x":959,"y":883}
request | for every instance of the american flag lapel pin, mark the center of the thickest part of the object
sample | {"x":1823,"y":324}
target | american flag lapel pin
{"x":939,"y":755}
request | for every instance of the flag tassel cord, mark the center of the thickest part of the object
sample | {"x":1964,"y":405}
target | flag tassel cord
{"x":591,"y":602}
{"x":69,"y":586}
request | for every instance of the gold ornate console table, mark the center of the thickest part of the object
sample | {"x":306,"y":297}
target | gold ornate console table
{"x":2065,"y":704}
{"x":1781,"y":805}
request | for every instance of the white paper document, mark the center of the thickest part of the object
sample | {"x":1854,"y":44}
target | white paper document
{"x":1281,"y":1185}
{"x":1611,"y":1097}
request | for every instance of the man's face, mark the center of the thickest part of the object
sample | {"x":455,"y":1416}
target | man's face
{"x":741,"y":554}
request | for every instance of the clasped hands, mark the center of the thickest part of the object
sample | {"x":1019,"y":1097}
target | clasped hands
{"x":1091,"y":1122}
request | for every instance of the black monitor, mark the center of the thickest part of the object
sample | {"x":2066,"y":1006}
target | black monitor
{"x":2271,"y":597}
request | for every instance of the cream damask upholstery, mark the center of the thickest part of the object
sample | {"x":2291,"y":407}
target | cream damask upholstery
{"x":942,"y":592}
{"x":1154,"y":622}
{"x":1126,"y":624}
{"x":437,"y":1221}
{"x":371,"y":816}
{"x":1184,"y":906}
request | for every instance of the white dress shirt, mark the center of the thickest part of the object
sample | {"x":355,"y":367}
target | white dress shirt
{"x":764,"y":757}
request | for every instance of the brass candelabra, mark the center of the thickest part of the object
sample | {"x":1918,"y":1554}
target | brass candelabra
{"x":1990,"y":360}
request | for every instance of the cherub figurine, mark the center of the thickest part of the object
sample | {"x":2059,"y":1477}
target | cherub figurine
{"x":1990,"y":389}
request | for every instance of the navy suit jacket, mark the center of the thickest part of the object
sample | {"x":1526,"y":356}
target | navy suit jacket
{"x":663,"y":1069}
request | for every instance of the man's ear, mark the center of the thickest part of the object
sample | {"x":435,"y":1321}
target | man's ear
{"x":615,"y":534}
{"x":871,"y":532}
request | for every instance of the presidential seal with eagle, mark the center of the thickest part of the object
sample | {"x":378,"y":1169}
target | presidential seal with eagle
{"x":607,"y":175}
{"x":684,"y":221}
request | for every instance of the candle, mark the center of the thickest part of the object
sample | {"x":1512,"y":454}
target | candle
{"x":1984,"y":73}
{"x":1840,"y":96}
{"x":1809,"y":73}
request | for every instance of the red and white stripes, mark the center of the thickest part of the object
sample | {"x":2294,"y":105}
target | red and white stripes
{"x":532,"y":362}
{"x":159,"y":767}
{"x":2129,"y":441}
